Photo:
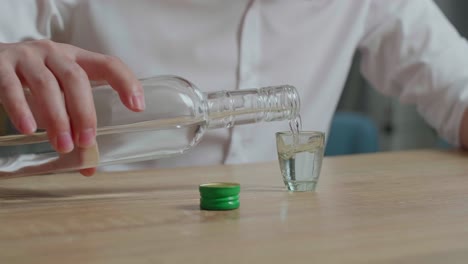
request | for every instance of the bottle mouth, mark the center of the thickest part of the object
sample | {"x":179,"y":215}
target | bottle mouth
{"x":275,"y":103}
{"x":281,"y":102}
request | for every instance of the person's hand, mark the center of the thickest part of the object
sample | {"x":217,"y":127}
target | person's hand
{"x":58,"y":76}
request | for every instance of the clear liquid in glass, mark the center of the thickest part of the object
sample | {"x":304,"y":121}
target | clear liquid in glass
{"x":300,"y":157}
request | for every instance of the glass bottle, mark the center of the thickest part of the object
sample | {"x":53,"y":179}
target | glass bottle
{"x":176,"y":116}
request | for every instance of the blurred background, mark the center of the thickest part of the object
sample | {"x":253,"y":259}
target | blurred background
{"x":386,"y":124}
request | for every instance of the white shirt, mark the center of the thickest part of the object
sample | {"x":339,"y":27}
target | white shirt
{"x":409,"y":50}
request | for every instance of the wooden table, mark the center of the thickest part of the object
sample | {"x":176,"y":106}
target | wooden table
{"x":401,"y":207}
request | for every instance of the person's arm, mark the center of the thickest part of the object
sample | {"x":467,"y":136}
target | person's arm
{"x":58,"y":76}
{"x":411,"y":51}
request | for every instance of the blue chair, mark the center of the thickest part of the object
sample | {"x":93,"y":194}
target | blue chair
{"x":351,"y":133}
{"x":442,"y":144}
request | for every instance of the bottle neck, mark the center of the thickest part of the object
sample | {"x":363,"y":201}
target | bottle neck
{"x":229,"y":108}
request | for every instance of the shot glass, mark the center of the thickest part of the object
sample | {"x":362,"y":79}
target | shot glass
{"x":300,"y":158}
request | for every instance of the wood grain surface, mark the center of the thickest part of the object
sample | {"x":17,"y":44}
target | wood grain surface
{"x":400,"y":207}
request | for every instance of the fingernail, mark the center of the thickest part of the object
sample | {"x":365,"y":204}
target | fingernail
{"x":138,"y":102}
{"x":27,"y":125}
{"x":64,"y":142}
{"x":87,"y":138}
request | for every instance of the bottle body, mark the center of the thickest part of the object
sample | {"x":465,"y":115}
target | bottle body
{"x":176,"y":116}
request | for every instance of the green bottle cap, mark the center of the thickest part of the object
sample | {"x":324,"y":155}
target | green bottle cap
{"x":219,"y":196}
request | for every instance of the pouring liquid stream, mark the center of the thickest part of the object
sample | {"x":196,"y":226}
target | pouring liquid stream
{"x":296,"y":126}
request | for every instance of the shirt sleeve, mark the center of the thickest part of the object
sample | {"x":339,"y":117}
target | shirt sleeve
{"x":411,"y":51}
{"x":22,"y":20}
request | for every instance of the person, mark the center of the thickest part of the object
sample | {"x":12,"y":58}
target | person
{"x":409,"y":50}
